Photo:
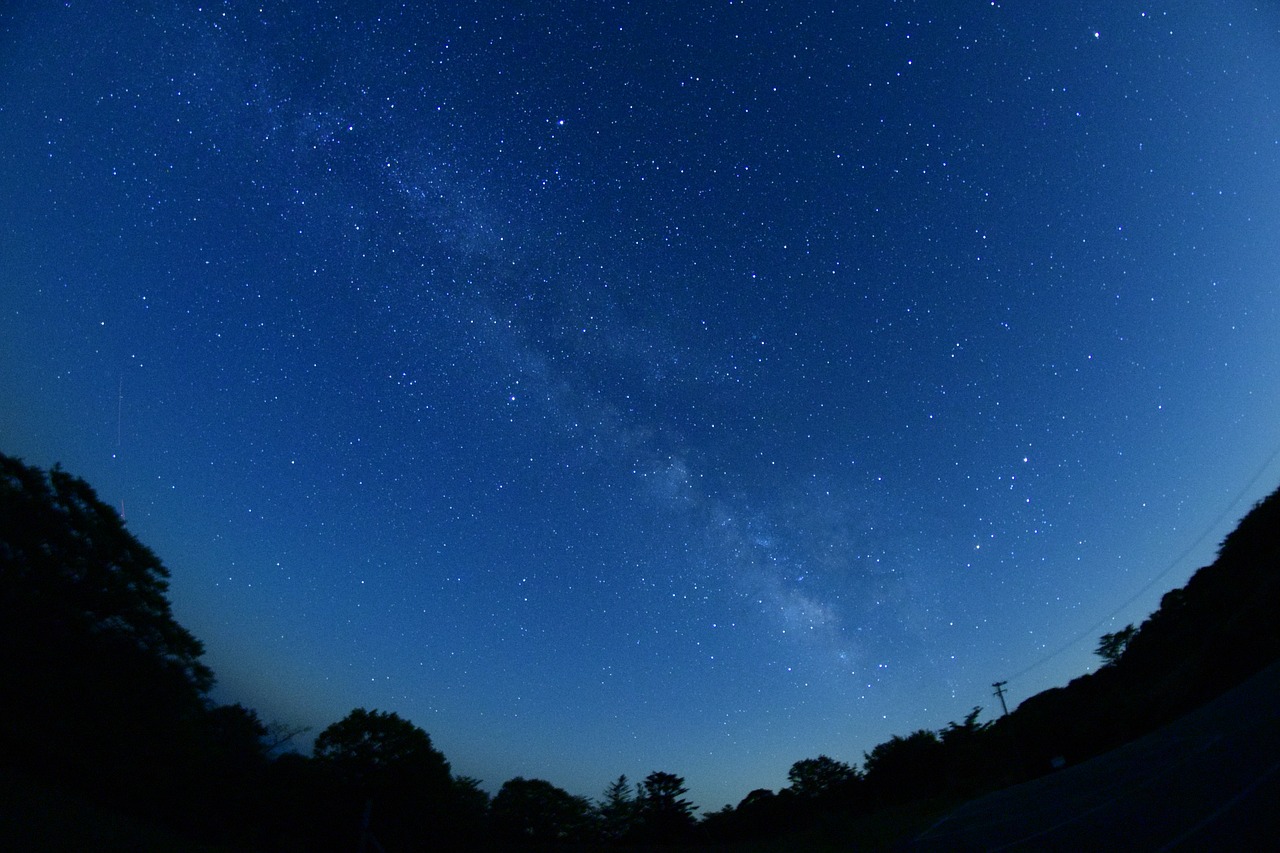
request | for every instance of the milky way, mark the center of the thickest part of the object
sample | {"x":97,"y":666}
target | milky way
{"x":610,"y":388}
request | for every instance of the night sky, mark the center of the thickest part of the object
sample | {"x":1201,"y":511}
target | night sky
{"x":618,"y":387}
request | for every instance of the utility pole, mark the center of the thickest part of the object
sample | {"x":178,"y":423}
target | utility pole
{"x":999,"y":686}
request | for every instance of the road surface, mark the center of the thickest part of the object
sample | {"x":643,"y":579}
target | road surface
{"x":1209,"y":781}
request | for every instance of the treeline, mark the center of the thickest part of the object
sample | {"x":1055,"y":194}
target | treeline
{"x":104,"y":696}
{"x":1204,"y":638}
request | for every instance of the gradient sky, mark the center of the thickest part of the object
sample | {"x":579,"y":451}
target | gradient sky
{"x":618,"y":387}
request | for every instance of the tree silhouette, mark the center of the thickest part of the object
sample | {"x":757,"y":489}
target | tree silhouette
{"x":761,"y":813}
{"x":468,"y":811}
{"x":958,"y":734}
{"x":377,"y":748}
{"x":905,"y":768}
{"x":814,"y":778}
{"x":617,"y":810}
{"x":228,"y":769}
{"x":1112,"y":646}
{"x":533,"y":811}
{"x":101,"y":686}
{"x":70,"y":565}
{"x":385,"y":777}
{"x":664,"y":814}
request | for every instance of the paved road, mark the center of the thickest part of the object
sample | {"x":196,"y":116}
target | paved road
{"x":1210,"y":781}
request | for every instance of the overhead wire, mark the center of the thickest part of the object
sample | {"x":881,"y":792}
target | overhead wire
{"x":1177,"y":561}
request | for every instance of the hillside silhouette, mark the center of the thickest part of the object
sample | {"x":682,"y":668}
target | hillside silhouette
{"x":105,"y":713}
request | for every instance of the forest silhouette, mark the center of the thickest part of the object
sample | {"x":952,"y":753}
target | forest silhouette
{"x":105,"y":711}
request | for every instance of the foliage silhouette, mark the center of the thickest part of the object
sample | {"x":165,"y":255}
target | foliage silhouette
{"x":105,"y":695}
{"x":384,"y":779}
{"x":761,"y":814}
{"x":102,"y":688}
{"x":905,"y":768}
{"x":664,"y":814}
{"x":821,"y":778}
{"x":1112,"y":646}
{"x":616,"y":812}
{"x":535,"y":812}
{"x":376,"y":751}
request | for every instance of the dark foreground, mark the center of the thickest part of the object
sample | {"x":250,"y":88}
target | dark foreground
{"x":1210,"y":781}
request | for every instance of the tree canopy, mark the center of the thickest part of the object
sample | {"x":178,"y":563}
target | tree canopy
{"x":1112,"y":646}
{"x":812,"y":778}
{"x":533,"y":811}
{"x":664,"y":813}
{"x":100,"y":681}
{"x":617,"y":809}
{"x":380,"y":749}
{"x":69,"y":567}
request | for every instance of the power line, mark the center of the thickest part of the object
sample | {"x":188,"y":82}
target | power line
{"x":1088,"y":632}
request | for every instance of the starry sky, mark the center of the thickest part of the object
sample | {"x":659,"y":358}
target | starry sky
{"x":611,"y":387}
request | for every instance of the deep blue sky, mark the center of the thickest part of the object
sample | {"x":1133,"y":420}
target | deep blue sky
{"x":618,"y":387}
